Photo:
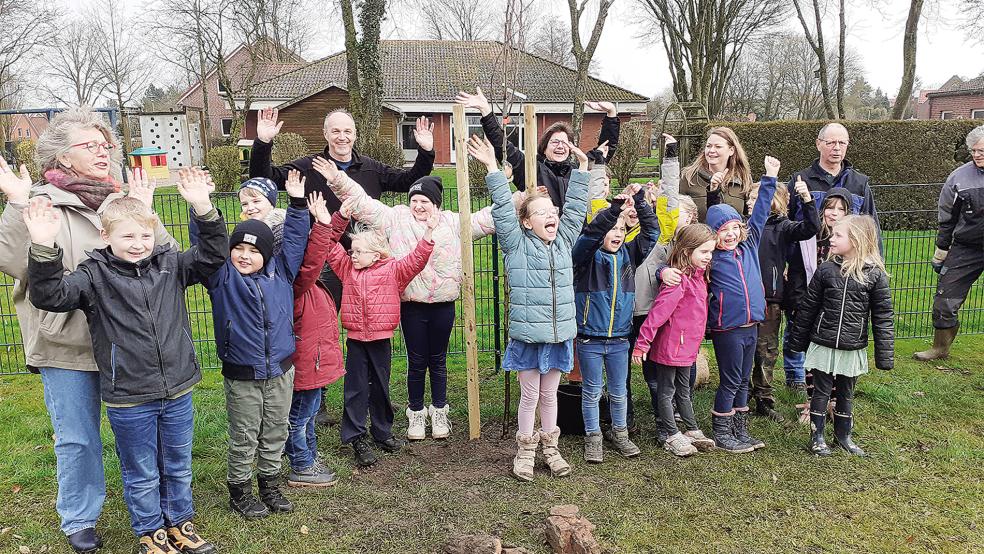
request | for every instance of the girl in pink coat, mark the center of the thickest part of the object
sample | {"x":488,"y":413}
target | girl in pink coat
{"x":671,"y":336}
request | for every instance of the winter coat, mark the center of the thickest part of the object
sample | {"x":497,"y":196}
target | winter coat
{"x":318,"y":357}
{"x":440,"y":280}
{"x":862,"y":201}
{"x":604,"y":282}
{"x":541,"y":275}
{"x":253,"y":314}
{"x":673,"y":330}
{"x":553,"y":175}
{"x":737,"y":294}
{"x":961,"y":208}
{"x":836,"y":311}
{"x":136,"y":311}
{"x":697,"y":186}
{"x":371,"y":297}
{"x":53,"y":339}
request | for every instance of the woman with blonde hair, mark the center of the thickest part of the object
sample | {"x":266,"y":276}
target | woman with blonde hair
{"x":721,"y":166}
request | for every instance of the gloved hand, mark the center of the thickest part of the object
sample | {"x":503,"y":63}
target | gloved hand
{"x":938,"y":258}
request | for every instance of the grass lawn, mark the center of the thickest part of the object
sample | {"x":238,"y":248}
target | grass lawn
{"x":920,"y":490}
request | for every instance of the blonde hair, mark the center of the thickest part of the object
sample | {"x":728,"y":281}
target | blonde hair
{"x":375,"y":241}
{"x":532,"y":194}
{"x":127,"y":209}
{"x":687,"y":204}
{"x":862,"y":233}
{"x":253,"y":193}
{"x":780,"y":202}
{"x":56,"y":141}
{"x":737,"y":168}
{"x":689,"y":238}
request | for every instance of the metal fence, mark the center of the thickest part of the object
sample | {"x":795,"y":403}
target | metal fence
{"x":907,"y":253}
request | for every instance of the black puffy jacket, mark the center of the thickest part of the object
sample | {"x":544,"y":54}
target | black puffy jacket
{"x":836,"y":310}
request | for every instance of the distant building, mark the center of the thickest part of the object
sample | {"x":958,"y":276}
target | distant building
{"x":956,"y":99}
{"x":27,"y":126}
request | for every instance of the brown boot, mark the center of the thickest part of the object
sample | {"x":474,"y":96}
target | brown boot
{"x":525,"y":456}
{"x":558,"y":465}
{"x":942,"y":339}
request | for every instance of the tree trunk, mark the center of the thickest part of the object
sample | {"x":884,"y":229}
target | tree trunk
{"x":840,"y":61}
{"x":818,"y":48}
{"x":908,"y":60}
{"x":583,"y":55}
{"x":370,"y":69}
{"x":352,"y":59}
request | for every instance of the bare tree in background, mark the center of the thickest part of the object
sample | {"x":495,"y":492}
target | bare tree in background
{"x":553,"y":42}
{"x":583,"y":54}
{"x":971,"y":20}
{"x":904,"y":96}
{"x":29,"y":28}
{"x":814,"y":36}
{"x":704,"y":39}
{"x":364,"y":64}
{"x":458,"y":19}
{"x":74,"y":76}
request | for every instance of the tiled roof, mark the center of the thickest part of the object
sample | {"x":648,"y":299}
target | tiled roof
{"x":435,"y":70}
{"x":956,"y":84}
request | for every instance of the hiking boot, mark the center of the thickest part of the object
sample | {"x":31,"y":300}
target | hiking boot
{"x":525,"y":456}
{"x":594,"y":451}
{"x":242,"y":501}
{"x":391,"y":444}
{"x":699,"y":440}
{"x":322,"y":419}
{"x":271,"y":496}
{"x":85,"y":541}
{"x":842,"y":434}
{"x":364,"y":456}
{"x":942,"y":339}
{"x":417,"y":424}
{"x":679,"y":445}
{"x":798,"y":387}
{"x":186,"y":539}
{"x":315,"y":476}
{"x":740,"y":423}
{"x":440,"y":423}
{"x":557,"y":464}
{"x":767,"y":408}
{"x":622,"y":443}
{"x":724,"y":435}
{"x":817,"y":444}
{"x":157,"y":543}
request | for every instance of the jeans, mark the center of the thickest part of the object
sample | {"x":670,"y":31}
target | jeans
{"x":594,"y":355}
{"x":302,"y":442}
{"x":153,"y":442}
{"x":735,"y":352}
{"x":366,"y":390}
{"x":426,"y":332}
{"x":72,"y":400}
{"x":792,"y":361}
{"x":257,"y":412}
{"x":671,"y":383}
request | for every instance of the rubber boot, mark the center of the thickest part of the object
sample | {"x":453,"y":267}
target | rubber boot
{"x":842,"y":434}
{"x":525,"y":455}
{"x":724,"y":435}
{"x":942,"y":339}
{"x":817,"y":444}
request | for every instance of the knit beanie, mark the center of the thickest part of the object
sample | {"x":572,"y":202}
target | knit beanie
{"x":429,"y":186}
{"x":720,"y":214}
{"x":256,"y":233}
{"x":264,"y":186}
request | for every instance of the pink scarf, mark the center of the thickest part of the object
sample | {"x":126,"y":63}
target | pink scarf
{"x":91,"y":192}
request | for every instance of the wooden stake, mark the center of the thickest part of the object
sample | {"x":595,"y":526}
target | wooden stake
{"x":530,"y":136}
{"x":468,"y":270}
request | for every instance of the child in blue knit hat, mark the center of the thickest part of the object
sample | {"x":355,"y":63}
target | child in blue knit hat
{"x":258,"y":199}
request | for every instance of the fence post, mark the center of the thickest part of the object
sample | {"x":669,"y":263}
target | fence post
{"x":468,"y":270}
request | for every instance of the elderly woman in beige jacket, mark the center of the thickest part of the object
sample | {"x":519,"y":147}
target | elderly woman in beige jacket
{"x":79,"y":157}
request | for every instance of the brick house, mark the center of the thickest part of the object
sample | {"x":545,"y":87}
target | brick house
{"x":421,"y":77}
{"x":26,"y":126}
{"x":956,"y":99}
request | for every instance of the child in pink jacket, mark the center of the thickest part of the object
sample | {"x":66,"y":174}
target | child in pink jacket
{"x":671,"y":336}
{"x":372,"y":282}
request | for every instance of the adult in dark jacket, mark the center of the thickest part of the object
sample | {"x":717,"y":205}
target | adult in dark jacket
{"x":720,"y":168}
{"x":553,"y":154}
{"x":959,"y":256}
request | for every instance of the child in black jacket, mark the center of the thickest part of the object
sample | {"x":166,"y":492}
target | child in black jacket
{"x":832,"y":326}
{"x":132,"y":294}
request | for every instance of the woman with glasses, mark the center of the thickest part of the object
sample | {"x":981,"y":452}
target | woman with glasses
{"x":79,"y":158}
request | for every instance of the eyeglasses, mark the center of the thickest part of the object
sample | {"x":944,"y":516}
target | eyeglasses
{"x":833,"y":143}
{"x":555,"y":142}
{"x":977,"y":151}
{"x":94,"y":146}
{"x":354,"y":252}
{"x":546,"y":211}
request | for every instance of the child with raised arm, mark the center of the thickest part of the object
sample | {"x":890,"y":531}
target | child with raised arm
{"x":846,"y":293}
{"x":536,"y":246}
{"x":133,"y":295}
{"x":372,"y":284}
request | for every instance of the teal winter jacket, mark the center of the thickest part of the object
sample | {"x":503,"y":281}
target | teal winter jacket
{"x":541,"y":276}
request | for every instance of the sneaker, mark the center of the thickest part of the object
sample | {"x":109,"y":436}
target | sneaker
{"x":391,"y":444}
{"x":417,"y":427}
{"x":364,"y":456}
{"x":187,"y":540}
{"x":315,"y":476}
{"x":440,"y":424}
{"x":157,"y":543}
{"x":623,"y":445}
{"x":594,"y":451}
{"x":699,"y":440}
{"x":679,"y":445}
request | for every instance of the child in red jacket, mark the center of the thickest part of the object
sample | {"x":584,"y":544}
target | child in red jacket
{"x":318,"y":357}
{"x":372,"y":282}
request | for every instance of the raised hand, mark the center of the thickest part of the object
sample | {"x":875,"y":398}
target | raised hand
{"x":476,"y":101}
{"x":802,"y":189}
{"x":141,"y":187}
{"x":582,"y":158}
{"x":606,"y":107}
{"x":347,"y":207}
{"x":432,"y":222}
{"x":319,"y":208}
{"x":481,"y":149}
{"x":633,"y":189}
{"x":717,"y":180}
{"x":603,"y":148}
{"x":668,"y":139}
{"x":43,"y":222}
{"x":267,"y":125}
{"x":423,"y":134}
{"x":17,"y":188}
{"x":195,"y":186}
{"x":295,"y":184}
{"x":328,"y":170}
{"x":771,"y":166}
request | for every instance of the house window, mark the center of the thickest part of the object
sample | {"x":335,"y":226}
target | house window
{"x":221,"y":87}
{"x":20,"y":133}
{"x":226,"y":126}
{"x":947,"y":115}
{"x":29,"y":131}
{"x":515,"y":125}
{"x":977,"y":114}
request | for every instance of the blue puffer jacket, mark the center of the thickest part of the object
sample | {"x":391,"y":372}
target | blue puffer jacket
{"x":541,"y":276}
{"x":253,"y":315}
{"x":604,"y":282}
{"x":736,"y":290}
